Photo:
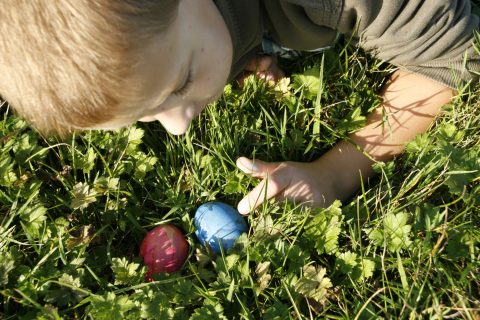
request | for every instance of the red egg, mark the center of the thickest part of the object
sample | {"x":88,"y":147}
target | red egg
{"x":164,"y":249}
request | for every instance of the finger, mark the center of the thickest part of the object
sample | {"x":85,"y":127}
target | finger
{"x":256,"y":168}
{"x":241,"y":79}
{"x":267,"y":76}
{"x":272,"y":74}
{"x":259,"y":63}
{"x":276,"y":72}
{"x":268,"y":188}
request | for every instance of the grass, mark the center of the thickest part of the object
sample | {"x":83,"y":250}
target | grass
{"x":407,"y":246}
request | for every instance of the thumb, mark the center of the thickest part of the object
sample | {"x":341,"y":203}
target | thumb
{"x":255,"y":168}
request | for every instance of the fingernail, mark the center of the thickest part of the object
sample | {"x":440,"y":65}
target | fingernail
{"x":247,"y":166}
{"x":243,"y":207}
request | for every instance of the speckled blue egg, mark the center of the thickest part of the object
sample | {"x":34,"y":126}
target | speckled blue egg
{"x":218,"y":224}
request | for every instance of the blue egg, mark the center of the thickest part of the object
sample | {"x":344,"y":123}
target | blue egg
{"x":218,"y":224}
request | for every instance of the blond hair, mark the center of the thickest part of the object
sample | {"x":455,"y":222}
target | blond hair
{"x":63,"y":63}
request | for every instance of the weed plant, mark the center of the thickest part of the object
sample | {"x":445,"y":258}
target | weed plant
{"x":73,"y":212}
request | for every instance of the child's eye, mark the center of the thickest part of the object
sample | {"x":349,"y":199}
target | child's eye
{"x":185,"y":87}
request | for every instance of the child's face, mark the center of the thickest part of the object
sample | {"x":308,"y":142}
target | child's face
{"x":182,"y":69}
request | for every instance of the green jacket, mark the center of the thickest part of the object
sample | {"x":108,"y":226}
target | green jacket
{"x":430,"y":37}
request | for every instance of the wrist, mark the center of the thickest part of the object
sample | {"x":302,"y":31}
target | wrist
{"x":345,"y":166}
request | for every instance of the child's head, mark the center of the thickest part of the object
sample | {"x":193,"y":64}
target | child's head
{"x":69,"y":65}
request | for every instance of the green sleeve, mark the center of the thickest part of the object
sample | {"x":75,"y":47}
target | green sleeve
{"x":434,"y":38}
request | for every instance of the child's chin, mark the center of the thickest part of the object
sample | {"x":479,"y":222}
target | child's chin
{"x":178,"y":129}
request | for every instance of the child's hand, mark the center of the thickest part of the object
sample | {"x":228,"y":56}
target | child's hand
{"x":335,"y":175}
{"x":305,"y":183}
{"x":265,"y":67}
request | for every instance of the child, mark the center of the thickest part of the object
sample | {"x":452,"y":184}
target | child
{"x":104,"y":64}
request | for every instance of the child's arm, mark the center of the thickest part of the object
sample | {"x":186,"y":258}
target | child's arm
{"x":410,"y":102}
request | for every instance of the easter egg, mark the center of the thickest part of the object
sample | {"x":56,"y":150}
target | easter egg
{"x":164,"y":249}
{"x":218,"y":225}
